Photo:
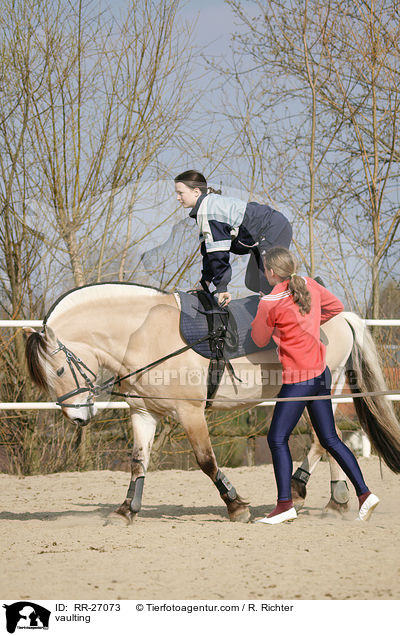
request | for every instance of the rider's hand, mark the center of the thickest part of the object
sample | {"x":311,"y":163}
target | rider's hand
{"x":224,"y":298}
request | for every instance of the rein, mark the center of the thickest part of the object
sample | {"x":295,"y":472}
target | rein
{"x":95,"y":389}
{"x":304,"y":398}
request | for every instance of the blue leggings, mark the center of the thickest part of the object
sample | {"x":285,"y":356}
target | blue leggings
{"x":285,"y":417}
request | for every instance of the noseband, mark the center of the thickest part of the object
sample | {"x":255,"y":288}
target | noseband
{"x":76,"y":365}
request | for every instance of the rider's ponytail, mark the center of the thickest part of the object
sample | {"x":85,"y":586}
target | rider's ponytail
{"x":284,"y":265}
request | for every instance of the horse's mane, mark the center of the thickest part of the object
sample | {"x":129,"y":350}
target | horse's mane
{"x":98,"y":291}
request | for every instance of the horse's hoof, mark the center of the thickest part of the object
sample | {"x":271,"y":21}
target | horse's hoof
{"x":116,"y":518}
{"x":299,"y":492}
{"x":241,"y":516}
{"x":334,"y":506}
{"x":123,"y":513}
{"x":298,"y":504}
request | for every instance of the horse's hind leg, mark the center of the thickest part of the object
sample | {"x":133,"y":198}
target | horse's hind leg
{"x":144,"y":427}
{"x":340,"y":495}
{"x":195,"y":425}
{"x":339,"y":500}
{"x":339,"y":489}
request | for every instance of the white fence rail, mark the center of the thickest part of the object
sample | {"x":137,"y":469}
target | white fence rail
{"x":26,"y":406}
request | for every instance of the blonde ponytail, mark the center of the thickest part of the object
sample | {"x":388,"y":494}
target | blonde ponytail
{"x":301,"y":296}
{"x":284,"y":265}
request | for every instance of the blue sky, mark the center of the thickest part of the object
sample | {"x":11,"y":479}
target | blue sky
{"x":214,"y":22}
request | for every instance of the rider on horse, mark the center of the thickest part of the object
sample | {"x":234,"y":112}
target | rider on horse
{"x":227,"y":224}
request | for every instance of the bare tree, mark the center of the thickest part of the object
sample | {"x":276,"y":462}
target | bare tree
{"x":90,"y":107}
{"x":318,"y":79}
{"x":365,"y":90}
{"x":112,"y":98}
{"x":19,"y":239}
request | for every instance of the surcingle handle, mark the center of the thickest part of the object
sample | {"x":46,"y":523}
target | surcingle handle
{"x":224,"y":485}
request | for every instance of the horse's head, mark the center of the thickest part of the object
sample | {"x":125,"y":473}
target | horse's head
{"x":64,"y":369}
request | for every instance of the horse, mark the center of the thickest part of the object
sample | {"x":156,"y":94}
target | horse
{"x":133,"y":331}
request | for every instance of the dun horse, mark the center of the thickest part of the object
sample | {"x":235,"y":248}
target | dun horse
{"x":125,"y":327}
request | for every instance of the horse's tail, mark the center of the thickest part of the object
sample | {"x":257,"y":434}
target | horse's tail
{"x":376,"y":413}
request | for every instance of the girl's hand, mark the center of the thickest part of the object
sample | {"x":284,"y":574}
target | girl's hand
{"x":224,"y":298}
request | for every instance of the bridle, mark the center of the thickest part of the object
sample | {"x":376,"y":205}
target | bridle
{"x":76,"y":366}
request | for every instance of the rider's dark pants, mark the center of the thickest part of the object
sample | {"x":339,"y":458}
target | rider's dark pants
{"x":278,"y":233}
{"x":285,"y":417}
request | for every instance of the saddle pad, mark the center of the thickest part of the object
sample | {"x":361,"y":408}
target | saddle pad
{"x":193,"y":325}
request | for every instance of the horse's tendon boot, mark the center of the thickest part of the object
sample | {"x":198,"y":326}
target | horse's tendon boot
{"x":340,"y":491}
{"x":136,"y":492}
{"x":224,"y":485}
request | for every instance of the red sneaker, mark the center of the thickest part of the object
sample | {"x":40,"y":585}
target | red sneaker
{"x":368,"y":507}
{"x":286,"y":515}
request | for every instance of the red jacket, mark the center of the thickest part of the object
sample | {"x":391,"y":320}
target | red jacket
{"x":300,"y":350}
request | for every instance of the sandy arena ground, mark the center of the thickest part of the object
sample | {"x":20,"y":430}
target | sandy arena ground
{"x":57,"y":541}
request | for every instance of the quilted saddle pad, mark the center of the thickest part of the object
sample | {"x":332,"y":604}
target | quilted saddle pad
{"x":238,"y":342}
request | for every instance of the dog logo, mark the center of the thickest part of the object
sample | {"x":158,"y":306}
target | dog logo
{"x":26,"y":615}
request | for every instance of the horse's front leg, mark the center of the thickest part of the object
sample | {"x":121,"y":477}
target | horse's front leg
{"x":340,"y":495}
{"x":144,"y":427}
{"x":195,"y":426}
{"x":303,"y":473}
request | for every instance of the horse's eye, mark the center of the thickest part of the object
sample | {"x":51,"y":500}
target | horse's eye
{"x":60,"y":371}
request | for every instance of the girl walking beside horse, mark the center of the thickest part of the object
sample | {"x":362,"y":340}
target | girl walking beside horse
{"x":292,"y":314}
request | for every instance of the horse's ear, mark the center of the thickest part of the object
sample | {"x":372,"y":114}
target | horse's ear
{"x":28,"y":330}
{"x":49,"y":335}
